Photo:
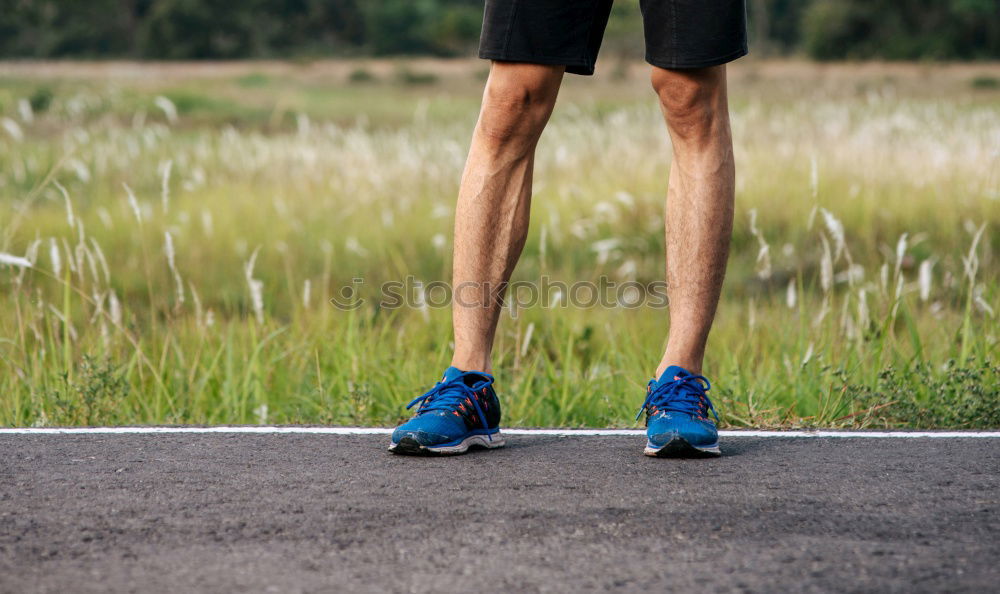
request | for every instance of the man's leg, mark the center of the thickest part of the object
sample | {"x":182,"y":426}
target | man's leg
{"x":491,"y":219}
{"x":699,"y":218}
{"x":491,"y":224}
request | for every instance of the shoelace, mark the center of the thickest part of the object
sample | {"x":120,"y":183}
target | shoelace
{"x":448,"y":396}
{"x":684,"y":395}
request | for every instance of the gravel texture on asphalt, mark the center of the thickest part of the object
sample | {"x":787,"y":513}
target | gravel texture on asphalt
{"x":315,"y":513}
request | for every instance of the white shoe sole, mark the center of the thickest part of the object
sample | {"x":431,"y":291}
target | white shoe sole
{"x":410,"y":446}
{"x":679,"y":447}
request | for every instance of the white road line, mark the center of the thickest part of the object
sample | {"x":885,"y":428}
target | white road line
{"x":563,"y":432}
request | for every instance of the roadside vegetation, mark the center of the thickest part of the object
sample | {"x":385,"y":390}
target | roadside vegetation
{"x":171,"y":238}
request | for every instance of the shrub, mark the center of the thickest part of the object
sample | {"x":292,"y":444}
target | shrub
{"x":957,"y":397}
{"x":985,"y":82}
{"x":410,"y":77}
{"x":361,"y":75}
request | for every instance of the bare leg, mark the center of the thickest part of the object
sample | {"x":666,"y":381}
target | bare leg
{"x":491,"y":219}
{"x":699,"y":218}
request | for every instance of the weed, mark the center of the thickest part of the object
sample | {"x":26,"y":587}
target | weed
{"x":985,"y":82}
{"x":965,"y":397}
{"x":96,"y":395}
{"x":41,"y":99}
{"x":407,"y":76}
{"x":361,"y":76}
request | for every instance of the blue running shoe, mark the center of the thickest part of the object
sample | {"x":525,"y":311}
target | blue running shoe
{"x":459,"y":412}
{"x":677,"y":422}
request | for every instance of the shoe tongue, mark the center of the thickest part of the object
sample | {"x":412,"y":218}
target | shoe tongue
{"x":673,"y":373}
{"x":470,"y":380}
{"x":451,"y":373}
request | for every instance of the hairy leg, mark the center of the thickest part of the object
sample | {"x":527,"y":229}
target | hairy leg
{"x":491,"y":219}
{"x":699,"y":217}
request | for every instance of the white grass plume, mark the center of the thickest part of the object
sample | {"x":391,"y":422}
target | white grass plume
{"x":970,"y":262}
{"x":527,"y":338}
{"x":809,"y":354}
{"x":261,"y":412}
{"x":55,"y":257}
{"x":167,"y":107}
{"x":256,"y":287}
{"x":59,"y":316}
{"x":99,"y":254}
{"x":132,"y":202}
{"x":354,"y":246}
{"x":31,"y":254}
{"x":763,"y":249}
{"x":199,"y":314}
{"x":824,"y":310}
{"x":114,"y":308}
{"x":12,"y":128}
{"x":420,"y":300}
{"x":439,"y":241}
{"x":924,"y":279}
{"x":826,"y":266}
{"x":13,"y":260}
{"x":557,"y":299}
{"x":80,"y":169}
{"x":172,"y":263}
{"x":898,"y":270}
{"x":981,"y":303}
{"x":70,"y":261}
{"x":24,"y":110}
{"x":70,"y":219}
{"x":836,"y":229}
{"x":901,"y":250}
{"x":165,"y":169}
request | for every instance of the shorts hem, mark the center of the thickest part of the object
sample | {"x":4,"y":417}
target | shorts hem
{"x":683,"y":65}
{"x":581,"y":67}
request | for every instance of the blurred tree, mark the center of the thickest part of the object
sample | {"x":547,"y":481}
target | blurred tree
{"x":84,"y":28}
{"x":421,"y":26}
{"x":623,"y":37}
{"x":902,"y":30}
{"x":193,"y":29}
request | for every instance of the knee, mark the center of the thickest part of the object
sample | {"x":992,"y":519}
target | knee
{"x":693,"y":101}
{"x":518,"y":101}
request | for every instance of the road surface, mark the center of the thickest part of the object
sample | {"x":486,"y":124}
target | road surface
{"x":325,"y":513}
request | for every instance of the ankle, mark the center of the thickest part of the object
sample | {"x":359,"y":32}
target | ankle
{"x":472,"y":363}
{"x":690,"y":364}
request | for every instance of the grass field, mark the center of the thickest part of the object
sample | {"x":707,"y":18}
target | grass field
{"x":187,"y":224}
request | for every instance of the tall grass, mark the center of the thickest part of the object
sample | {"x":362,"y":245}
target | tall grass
{"x":158,"y":268}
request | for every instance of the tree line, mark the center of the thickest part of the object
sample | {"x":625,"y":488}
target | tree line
{"x":228,"y":29}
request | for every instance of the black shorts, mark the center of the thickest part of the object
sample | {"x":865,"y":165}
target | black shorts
{"x":679,"y":33}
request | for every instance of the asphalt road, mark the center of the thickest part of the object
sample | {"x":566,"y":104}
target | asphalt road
{"x":309,"y":513}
